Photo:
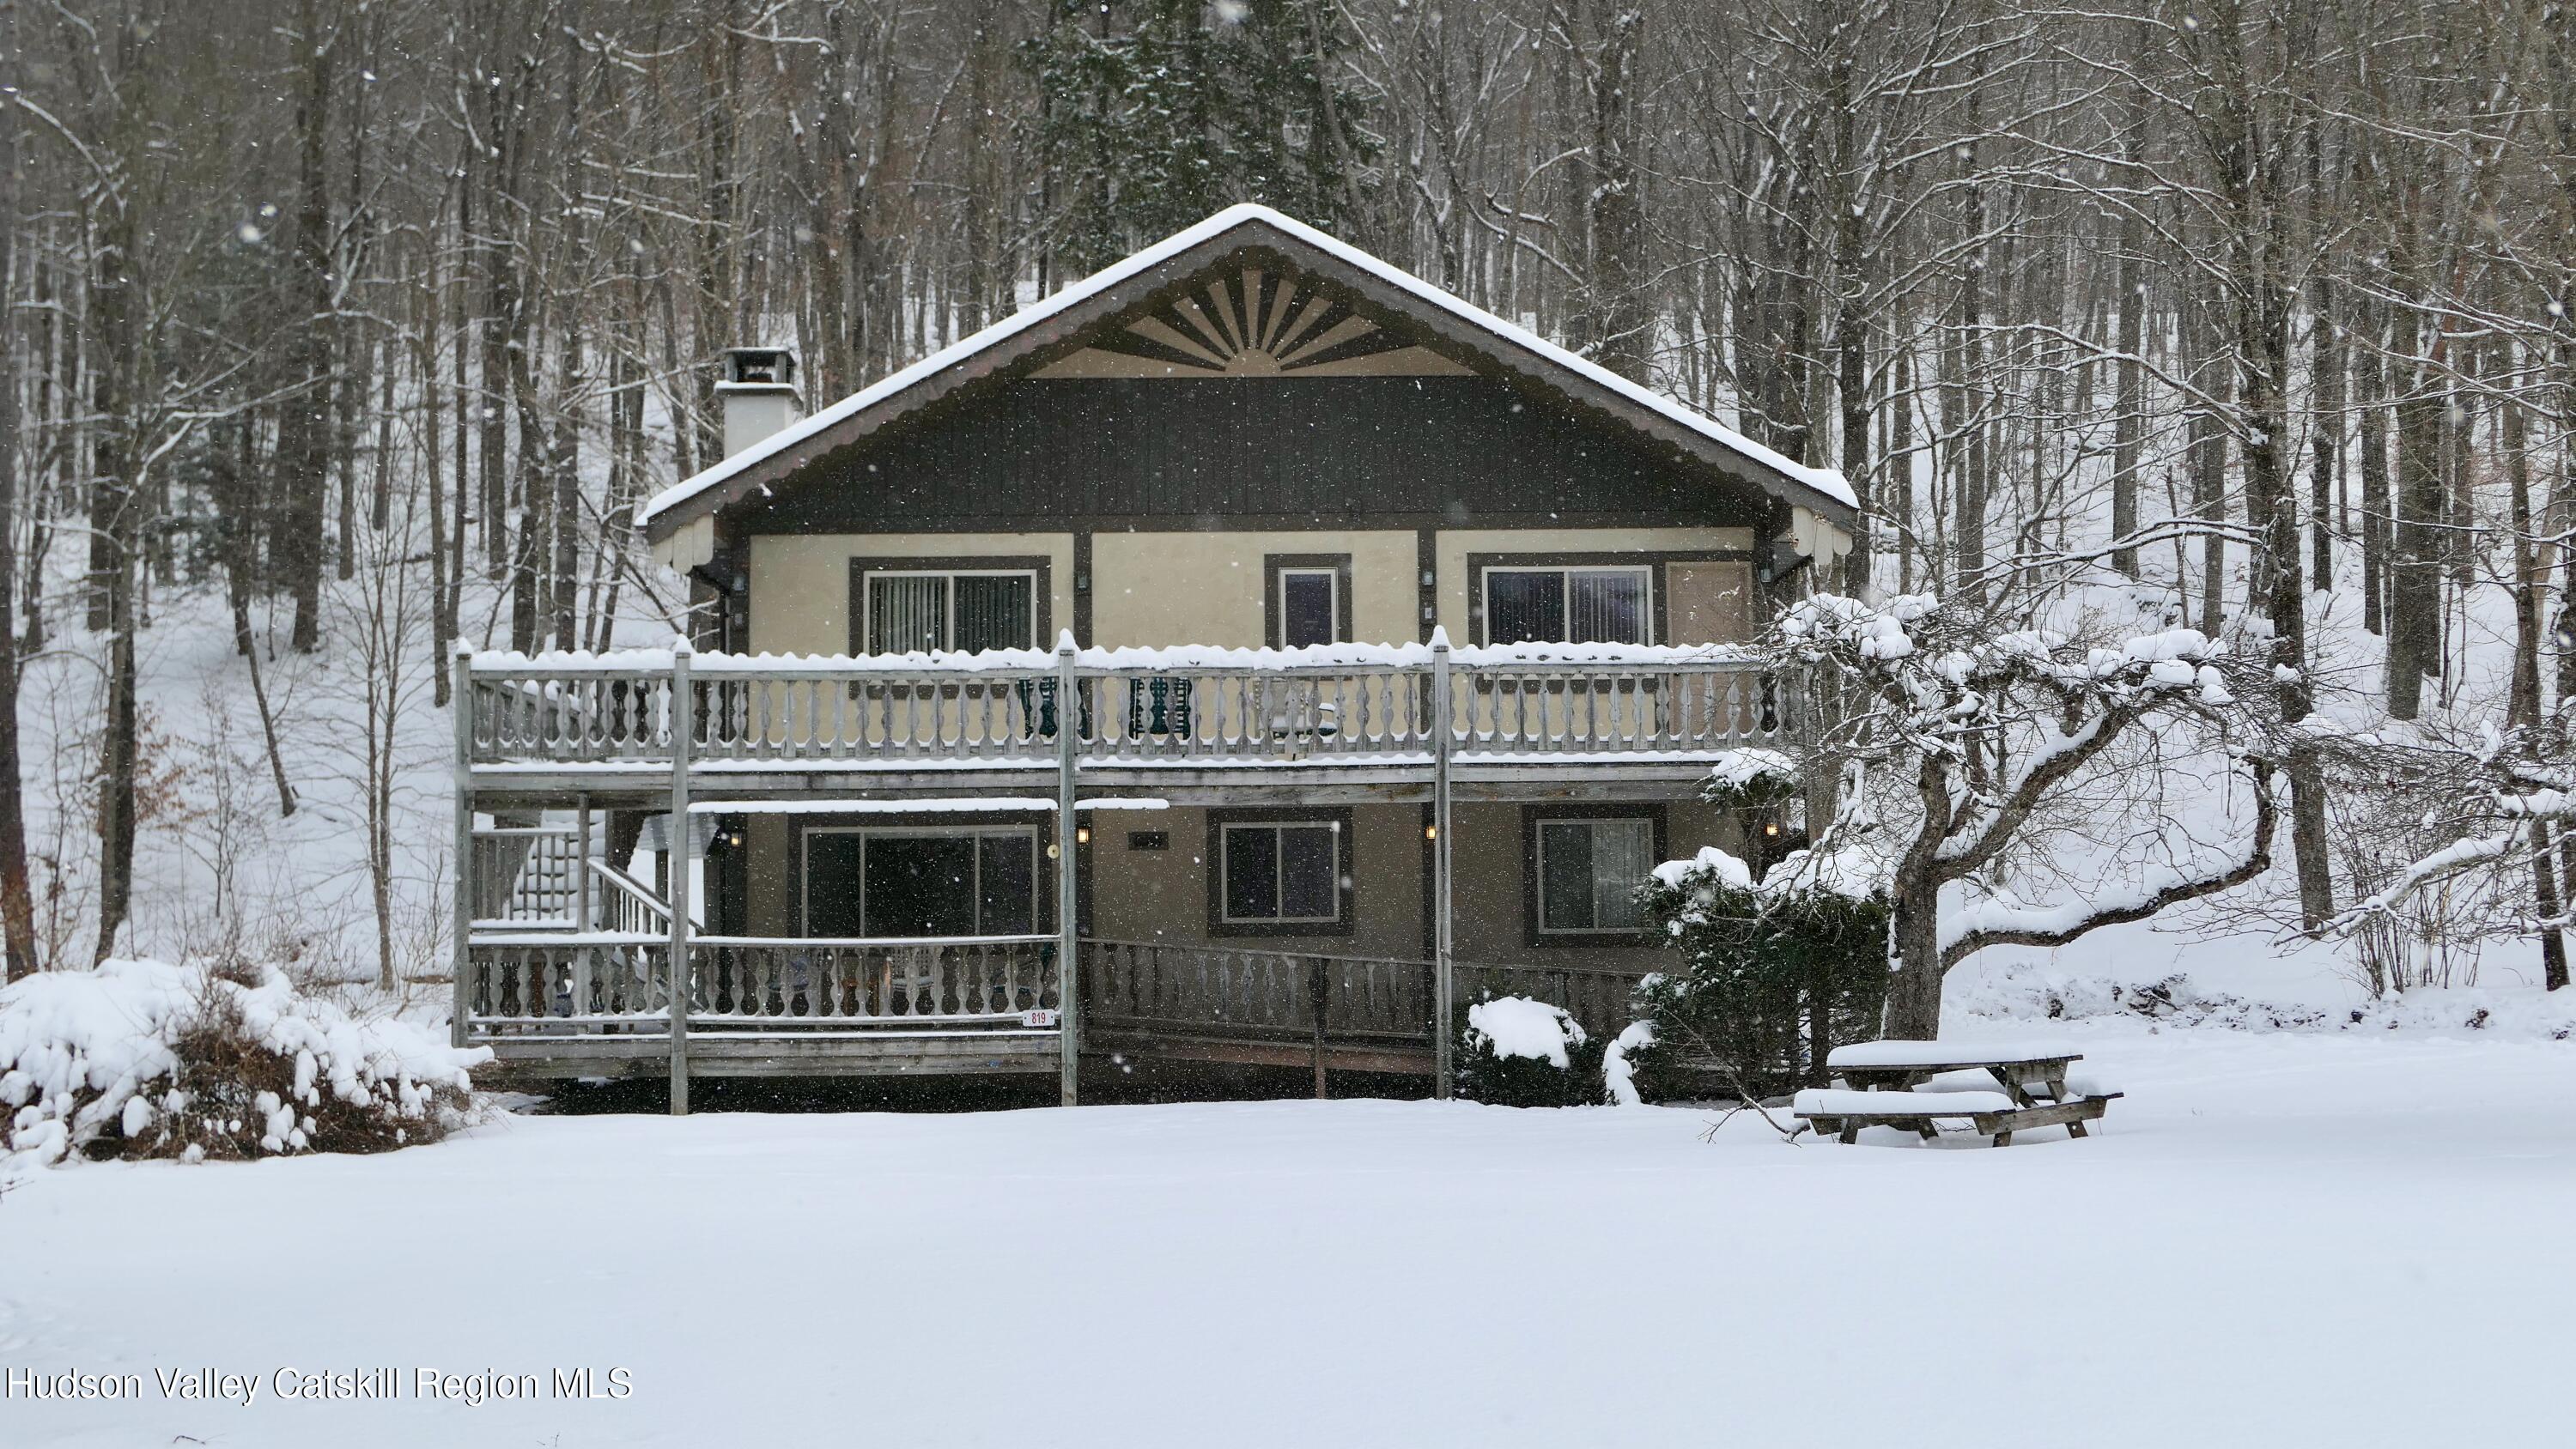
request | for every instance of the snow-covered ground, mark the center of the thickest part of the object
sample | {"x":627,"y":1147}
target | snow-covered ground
{"x":2292,"y":1238}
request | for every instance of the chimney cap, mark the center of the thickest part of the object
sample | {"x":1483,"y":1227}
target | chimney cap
{"x":760,"y":365}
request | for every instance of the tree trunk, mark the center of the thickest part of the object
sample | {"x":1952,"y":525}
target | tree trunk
{"x":1618,"y":221}
{"x":116,"y":504}
{"x":306,"y":466}
{"x":2415,"y":579}
{"x":2208,"y":464}
{"x":2544,"y":895}
{"x":2369,"y":394}
{"x":1914,"y":990}
{"x":2128,"y":421}
{"x":17,"y":906}
{"x":1968,"y":532}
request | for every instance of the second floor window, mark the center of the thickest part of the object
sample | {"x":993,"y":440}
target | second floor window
{"x":953,"y":610}
{"x":1568,"y":605}
{"x":1310,"y":599}
{"x":1309,"y":609}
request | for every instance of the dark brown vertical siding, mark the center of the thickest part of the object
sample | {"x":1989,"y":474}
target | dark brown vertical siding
{"x":1330,"y":452}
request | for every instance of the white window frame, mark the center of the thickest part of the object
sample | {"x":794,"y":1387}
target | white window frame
{"x":1278,"y":865}
{"x":859,"y":886}
{"x":1565,"y":621}
{"x":1332,"y":578}
{"x":868,"y":601}
{"x":1538,"y":865}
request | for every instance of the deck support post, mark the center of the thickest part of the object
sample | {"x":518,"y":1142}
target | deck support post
{"x":584,"y":963}
{"x":680,"y":844}
{"x":1068,"y":879}
{"x":1443,"y":1002}
{"x":1319,"y":1004}
{"x":460,"y":699}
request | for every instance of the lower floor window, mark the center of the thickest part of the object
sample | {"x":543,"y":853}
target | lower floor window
{"x":880,"y":883}
{"x":1589,"y":872}
{"x":1285,"y":872}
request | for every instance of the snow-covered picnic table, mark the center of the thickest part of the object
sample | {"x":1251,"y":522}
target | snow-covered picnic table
{"x":2031,"y":1073}
{"x":1876,"y":1085}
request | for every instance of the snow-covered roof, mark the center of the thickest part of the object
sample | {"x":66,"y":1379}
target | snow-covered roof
{"x":1824,"y":487}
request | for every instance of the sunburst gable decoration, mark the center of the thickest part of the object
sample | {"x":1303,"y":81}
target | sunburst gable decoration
{"x":1254,"y":323}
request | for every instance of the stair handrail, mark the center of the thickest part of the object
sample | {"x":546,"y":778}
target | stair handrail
{"x":635,"y":890}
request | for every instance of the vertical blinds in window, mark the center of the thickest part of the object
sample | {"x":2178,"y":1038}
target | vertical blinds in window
{"x":992,"y":612}
{"x":968,"y":612}
{"x":907,"y":612}
{"x":1572,"y":606}
{"x":1605,"y":606}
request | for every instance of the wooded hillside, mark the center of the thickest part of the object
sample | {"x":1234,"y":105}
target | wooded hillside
{"x":417,"y":299}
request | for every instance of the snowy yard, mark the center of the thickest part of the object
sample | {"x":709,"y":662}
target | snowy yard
{"x":2277,"y":1239}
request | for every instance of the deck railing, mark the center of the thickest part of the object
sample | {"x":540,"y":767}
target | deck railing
{"x":859,"y":983}
{"x":1251,"y":994}
{"x":592,"y":982}
{"x":522,"y":984}
{"x":1335,"y":703}
{"x":619,"y":982}
{"x":1262,"y":994}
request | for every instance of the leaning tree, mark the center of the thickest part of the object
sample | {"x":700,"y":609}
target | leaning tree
{"x":2023,"y":774}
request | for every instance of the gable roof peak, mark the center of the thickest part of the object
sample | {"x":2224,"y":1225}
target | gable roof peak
{"x":1108,"y":290}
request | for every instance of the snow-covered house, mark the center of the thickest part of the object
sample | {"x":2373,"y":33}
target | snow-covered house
{"x":1397,"y":640}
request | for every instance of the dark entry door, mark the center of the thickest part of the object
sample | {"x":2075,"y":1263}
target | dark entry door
{"x":883,"y":884}
{"x":919,"y":885}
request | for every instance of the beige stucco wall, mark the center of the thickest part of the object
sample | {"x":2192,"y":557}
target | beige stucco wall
{"x":800,"y":582}
{"x":1455,"y":545}
{"x":1161,"y":896}
{"x":1206,"y":588}
{"x":769,"y":898}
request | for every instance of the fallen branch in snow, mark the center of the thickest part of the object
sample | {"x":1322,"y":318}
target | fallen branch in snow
{"x":1746,"y":1099}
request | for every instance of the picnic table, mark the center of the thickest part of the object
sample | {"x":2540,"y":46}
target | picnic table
{"x":2030,"y":1073}
{"x":1876,"y":1086}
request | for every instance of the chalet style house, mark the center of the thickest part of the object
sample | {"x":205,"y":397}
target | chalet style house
{"x":1251,"y":653}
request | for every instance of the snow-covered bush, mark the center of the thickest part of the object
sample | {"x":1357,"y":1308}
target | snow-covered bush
{"x":1517,"y":1052}
{"x":1619,"y":1086}
{"x":1772,"y":973}
{"x":148,"y":1059}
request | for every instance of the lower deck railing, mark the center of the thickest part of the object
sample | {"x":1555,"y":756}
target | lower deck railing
{"x":617,"y":983}
{"x":1260,"y":994}
{"x":613,"y":983}
{"x":861,"y":982}
{"x":1136,"y":986}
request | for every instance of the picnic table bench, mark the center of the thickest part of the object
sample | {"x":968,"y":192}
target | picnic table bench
{"x":1877,"y":1081}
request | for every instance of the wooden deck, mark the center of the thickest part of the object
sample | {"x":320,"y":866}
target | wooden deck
{"x":649,"y":732}
{"x":580,"y":1007}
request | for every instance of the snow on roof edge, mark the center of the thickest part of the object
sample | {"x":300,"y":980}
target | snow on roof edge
{"x":1823,"y":480}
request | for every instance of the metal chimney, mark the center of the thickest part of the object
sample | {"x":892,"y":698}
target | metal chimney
{"x":759,"y":395}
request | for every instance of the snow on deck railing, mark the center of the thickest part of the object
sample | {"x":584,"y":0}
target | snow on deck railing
{"x":1121,"y":659}
{"x":1181,"y":704}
